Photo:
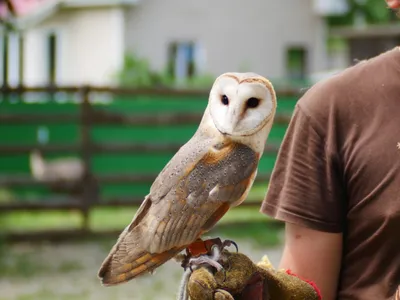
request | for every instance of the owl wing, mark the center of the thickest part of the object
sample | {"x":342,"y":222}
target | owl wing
{"x":186,"y":200}
{"x":186,"y":209}
{"x":179,"y":165}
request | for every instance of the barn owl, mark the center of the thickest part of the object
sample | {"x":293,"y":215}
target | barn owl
{"x":211,"y":173}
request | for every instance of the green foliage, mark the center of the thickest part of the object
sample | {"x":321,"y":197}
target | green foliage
{"x":137,"y":72}
{"x":335,"y":44}
{"x":376,"y":12}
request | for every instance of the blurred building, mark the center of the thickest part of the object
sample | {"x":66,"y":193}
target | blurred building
{"x":275,"y":38}
{"x":368,"y":41}
{"x":84,"y":41}
{"x":64,"y":42}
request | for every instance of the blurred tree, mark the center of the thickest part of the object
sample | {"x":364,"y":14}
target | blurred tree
{"x":9,"y":14}
{"x":137,"y":72}
{"x":373,"y":12}
{"x":10,"y":6}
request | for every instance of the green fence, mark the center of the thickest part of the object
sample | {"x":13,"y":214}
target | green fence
{"x":136,"y":104}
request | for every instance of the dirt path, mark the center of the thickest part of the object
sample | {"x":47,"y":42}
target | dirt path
{"x":68,"y":272}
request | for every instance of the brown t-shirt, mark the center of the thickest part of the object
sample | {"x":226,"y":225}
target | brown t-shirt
{"x":338,"y":170}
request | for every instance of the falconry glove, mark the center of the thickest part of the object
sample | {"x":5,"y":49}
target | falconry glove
{"x":242,"y":279}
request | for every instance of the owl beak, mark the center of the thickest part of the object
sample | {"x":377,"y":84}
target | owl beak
{"x":231,"y":123}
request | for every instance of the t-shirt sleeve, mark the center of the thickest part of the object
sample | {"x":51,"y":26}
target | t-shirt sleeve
{"x":305,"y":186}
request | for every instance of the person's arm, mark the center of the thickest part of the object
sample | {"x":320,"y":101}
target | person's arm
{"x":307,"y":190}
{"x":313,"y":255}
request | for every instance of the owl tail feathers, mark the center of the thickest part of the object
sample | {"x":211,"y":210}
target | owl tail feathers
{"x":110,"y":274}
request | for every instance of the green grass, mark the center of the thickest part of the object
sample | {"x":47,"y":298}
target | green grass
{"x":32,"y":221}
{"x":69,"y":266}
{"x":20,"y":265}
{"x":239,"y":223}
{"x":100,"y":219}
{"x":111,"y":218}
{"x":46,"y":294}
{"x":23,"y":265}
{"x":26,"y":262}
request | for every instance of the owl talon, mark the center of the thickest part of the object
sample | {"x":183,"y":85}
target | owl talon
{"x":223,"y":270}
{"x":228,"y":243}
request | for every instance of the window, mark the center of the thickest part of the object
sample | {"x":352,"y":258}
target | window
{"x":182,"y":60}
{"x":366,"y":47}
{"x":21,"y":59}
{"x":296,"y":63}
{"x":52,"y":58}
{"x":4,"y":58}
{"x":11,"y":61}
{"x":11,"y":58}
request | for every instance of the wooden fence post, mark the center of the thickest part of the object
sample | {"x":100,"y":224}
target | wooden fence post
{"x":86,"y":155}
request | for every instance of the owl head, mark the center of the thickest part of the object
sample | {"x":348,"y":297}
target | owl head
{"x":241,"y":104}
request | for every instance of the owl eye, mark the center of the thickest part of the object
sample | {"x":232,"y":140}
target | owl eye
{"x":252,"y":102}
{"x":224,"y":100}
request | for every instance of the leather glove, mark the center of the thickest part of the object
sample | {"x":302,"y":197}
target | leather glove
{"x":242,"y":279}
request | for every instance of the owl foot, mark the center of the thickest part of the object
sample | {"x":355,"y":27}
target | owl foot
{"x":213,"y":257}
{"x":208,"y":252}
{"x":211,"y":260}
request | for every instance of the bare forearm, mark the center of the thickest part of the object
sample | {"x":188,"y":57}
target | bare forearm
{"x":314,"y":256}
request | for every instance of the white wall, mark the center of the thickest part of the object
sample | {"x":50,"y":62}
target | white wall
{"x":34,"y":57}
{"x":90,"y":49}
{"x":234,"y":33}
